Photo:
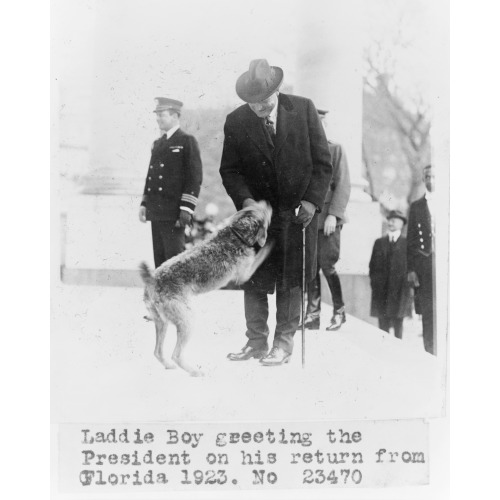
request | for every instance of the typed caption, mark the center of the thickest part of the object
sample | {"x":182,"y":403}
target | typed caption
{"x":157,"y":457}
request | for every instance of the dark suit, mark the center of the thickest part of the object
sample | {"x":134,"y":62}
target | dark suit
{"x":421,"y":261}
{"x":329,"y":246}
{"x":173,"y":181}
{"x":296,"y":167}
{"x":391,"y":297}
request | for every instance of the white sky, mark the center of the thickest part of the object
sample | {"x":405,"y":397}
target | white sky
{"x":198,"y":48}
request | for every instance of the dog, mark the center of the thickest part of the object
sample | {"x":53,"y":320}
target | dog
{"x":233,"y":254}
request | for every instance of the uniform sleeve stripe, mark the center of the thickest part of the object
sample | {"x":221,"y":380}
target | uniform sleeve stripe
{"x":189,"y":198}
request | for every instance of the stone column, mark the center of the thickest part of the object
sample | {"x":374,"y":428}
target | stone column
{"x":105,"y":240}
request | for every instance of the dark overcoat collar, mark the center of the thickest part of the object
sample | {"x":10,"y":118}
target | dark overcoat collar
{"x":286,"y":121}
{"x":387,"y":243}
{"x":256,"y":131}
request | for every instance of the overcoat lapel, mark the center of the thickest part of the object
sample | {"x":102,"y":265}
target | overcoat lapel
{"x":255,"y":130}
{"x":286,"y":122}
{"x":385,"y":248}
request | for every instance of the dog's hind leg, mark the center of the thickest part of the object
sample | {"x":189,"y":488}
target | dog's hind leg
{"x":161,"y":330}
{"x":182,"y":320}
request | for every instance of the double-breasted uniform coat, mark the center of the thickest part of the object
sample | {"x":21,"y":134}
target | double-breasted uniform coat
{"x":174,"y":177}
{"x":421,"y":261}
{"x":296,"y":168}
{"x":173,"y":183}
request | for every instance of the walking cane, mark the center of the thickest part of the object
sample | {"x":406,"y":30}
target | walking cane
{"x":303,"y":296}
{"x":303,"y":290}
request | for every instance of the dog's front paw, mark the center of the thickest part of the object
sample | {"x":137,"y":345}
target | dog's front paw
{"x":169,"y":365}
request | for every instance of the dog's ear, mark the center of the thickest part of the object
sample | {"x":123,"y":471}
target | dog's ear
{"x":261,"y":236}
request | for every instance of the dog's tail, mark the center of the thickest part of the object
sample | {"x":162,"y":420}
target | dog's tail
{"x":145,"y":273}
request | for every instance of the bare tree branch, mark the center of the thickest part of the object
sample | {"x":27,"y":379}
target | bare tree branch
{"x":407,"y":117}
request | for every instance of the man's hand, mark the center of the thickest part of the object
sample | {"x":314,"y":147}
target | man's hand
{"x":142,"y":213}
{"x":248,"y":202}
{"x":413,"y":279}
{"x":306,"y":213}
{"x":185,"y":219}
{"x":330,"y":225}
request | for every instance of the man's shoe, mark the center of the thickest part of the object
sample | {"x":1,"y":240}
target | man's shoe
{"x":337,"y":320}
{"x":276,"y":357}
{"x":311,"y":324}
{"x":248,"y":352}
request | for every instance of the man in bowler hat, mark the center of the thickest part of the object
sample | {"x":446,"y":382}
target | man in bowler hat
{"x":275,"y":149}
{"x":391,"y":297}
{"x":330,"y":223}
{"x":173,"y":182}
{"x":421,"y":257}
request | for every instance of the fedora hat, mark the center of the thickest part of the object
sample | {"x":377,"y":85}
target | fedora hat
{"x":396,"y":214}
{"x":259,"y":82}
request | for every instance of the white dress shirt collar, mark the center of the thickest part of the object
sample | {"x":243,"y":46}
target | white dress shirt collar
{"x":394,"y":235}
{"x":172,"y":131}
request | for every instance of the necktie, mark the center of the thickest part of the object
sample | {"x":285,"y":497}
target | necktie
{"x":270,"y":129}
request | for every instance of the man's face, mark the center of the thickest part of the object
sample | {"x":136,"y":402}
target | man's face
{"x":166,"y":120}
{"x":395,"y":224}
{"x":264,"y":108}
{"x":429,"y":179}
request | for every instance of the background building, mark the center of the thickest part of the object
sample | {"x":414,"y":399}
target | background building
{"x":368,"y":62}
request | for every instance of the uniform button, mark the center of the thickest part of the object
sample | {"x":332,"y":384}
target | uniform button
{"x":149,"y":178}
{"x":161,"y":165}
{"x":420,"y":232}
{"x":419,"y":224}
{"x":160,"y":189}
{"x":149,"y":189}
{"x":161,"y":176}
{"x":263,"y":163}
{"x":422,"y":247}
{"x":422,"y":240}
{"x":150,"y":166}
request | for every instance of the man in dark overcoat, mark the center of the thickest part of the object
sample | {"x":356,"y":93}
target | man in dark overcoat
{"x":275,"y":149}
{"x":421,"y":258}
{"x":391,"y":294}
{"x":173,"y":182}
{"x":330,"y":222}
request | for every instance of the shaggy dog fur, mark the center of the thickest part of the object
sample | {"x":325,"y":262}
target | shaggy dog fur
{"x":231,"y":255}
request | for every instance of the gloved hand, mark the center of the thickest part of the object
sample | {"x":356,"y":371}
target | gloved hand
{"x":306,"y":213}
{"x":185,"y":219}
{"x":413,"y":279}
{"x":142,"y":213}
{"x":330,"y":225}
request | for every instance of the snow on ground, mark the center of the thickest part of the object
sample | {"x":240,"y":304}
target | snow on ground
{"x":103,"y":368}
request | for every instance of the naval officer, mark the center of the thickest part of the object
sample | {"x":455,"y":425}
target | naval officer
{"x":173,"y":182}
{"x":420,"y":249}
